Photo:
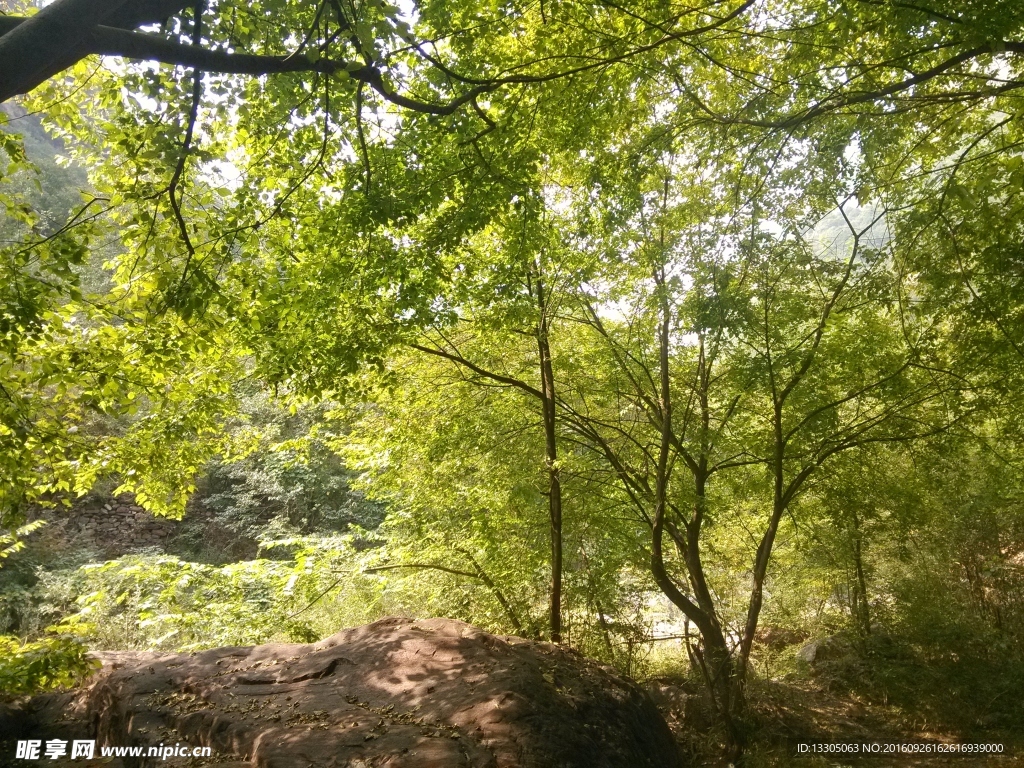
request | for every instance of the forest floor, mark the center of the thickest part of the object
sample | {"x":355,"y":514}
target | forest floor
{"x":806,"y":724}
{"x":807,"y":713}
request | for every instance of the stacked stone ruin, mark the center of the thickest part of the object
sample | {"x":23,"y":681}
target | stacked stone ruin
{"x":112,"y":525}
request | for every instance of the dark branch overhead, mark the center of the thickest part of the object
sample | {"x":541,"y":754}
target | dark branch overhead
{"x":35,"y":48}
{"x":114,"y":41}
{"x":60,"y":30}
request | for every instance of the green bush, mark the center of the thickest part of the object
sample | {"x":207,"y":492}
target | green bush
{"x":47,"y":664}
{"x":308,"y":492}
{"x":315,"y":587}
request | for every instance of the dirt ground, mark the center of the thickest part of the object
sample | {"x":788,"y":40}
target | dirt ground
{"x":793,"y":719}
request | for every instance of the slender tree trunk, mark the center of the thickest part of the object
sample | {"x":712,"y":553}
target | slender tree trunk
{"x":513,"y":617}
{"x":546,"y":395}
{"x":723,"y":672}
{"x":781,"y":496}
{"x":716,"y":659}
{"x":547,"y":378}
{"x":598,"y":608}
{"x":861,"y":606}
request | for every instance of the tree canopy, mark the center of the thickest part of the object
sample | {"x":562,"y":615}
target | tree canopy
{"x":606,"y":297}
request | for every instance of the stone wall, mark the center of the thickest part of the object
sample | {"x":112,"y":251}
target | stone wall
{"x":114,"y":526}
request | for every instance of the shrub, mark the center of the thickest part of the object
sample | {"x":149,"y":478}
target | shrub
{"x":53,"y":662}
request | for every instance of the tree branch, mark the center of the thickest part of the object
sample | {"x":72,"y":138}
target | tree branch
{"x":143,"y":46}
{"x":517,"y":383}
{"x":29,"y":48}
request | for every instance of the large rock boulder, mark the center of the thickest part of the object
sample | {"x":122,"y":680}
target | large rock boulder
{"x":398,"y":693}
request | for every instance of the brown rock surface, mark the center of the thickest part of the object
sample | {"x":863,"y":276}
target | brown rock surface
{"x":398,"y":693}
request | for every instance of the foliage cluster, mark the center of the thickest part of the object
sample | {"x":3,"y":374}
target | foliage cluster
{"x":56,"y":662}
